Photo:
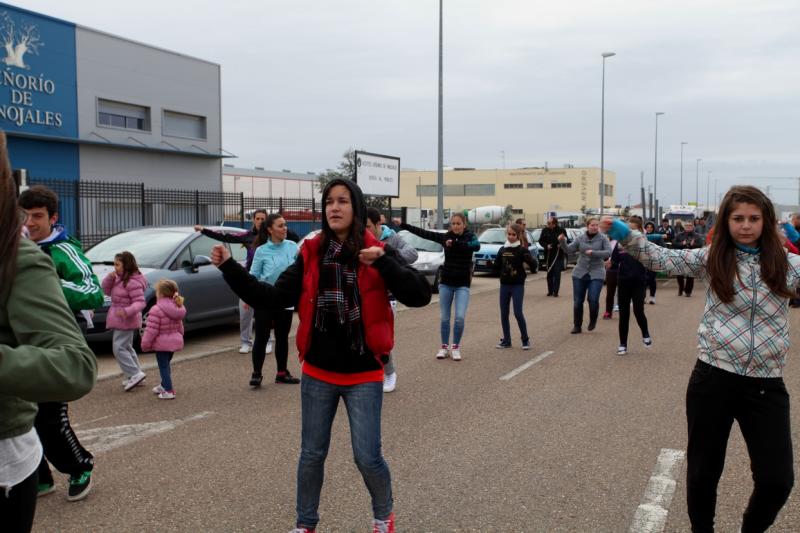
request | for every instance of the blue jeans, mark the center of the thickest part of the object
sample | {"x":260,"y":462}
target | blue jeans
{"x":515,"y":293}
{"x":446,"y":296}
{"x":164,"y":359}
{"x":363,"y":403}
{"x":580,"y":287}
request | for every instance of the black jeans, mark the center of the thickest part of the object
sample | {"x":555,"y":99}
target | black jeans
{"x":283,"y":323}
{"x":651,"y":283}
{"x":60,"y":444}
{"x":611,"y":290}
{"x":554,"y":269}
{"x":685,"y":284}
{"x":714,"y":399}
{"x":17,"y":510}
{"x":631,"y":291}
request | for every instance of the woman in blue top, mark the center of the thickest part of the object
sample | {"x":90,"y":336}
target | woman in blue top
{"x":274,"y":254}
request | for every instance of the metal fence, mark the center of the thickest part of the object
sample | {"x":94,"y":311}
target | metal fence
{"x":94,"y":210}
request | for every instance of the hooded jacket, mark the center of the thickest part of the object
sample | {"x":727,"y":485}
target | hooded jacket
{"x":272,"y":259}
{"x":128,"y":298}
{"x":457,"y":267}
{"x":298,"y":285}
{"x":164,"y":331}
{"x":78,"y":281}
{"x":406,"y":253}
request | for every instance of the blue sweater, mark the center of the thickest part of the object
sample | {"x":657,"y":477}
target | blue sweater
{"x":270,"y":260}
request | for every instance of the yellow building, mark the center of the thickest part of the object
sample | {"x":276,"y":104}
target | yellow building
{"x":531,"y":192}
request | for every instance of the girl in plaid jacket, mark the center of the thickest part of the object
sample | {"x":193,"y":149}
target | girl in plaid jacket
{"x":743,"y":343}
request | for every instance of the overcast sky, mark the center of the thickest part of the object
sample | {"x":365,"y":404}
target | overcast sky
{"x":304,"y":80}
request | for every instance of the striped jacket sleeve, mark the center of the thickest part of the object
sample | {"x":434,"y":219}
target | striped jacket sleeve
{"x":653,"y":257}
{"x":78,"y":281}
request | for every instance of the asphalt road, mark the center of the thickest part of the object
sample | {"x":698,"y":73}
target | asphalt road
{"x":570,"y":443}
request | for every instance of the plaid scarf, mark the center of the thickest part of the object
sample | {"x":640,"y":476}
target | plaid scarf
{"x":338,"y":299}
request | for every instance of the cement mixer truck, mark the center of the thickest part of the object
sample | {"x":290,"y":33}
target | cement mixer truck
{"x":487,"y":214}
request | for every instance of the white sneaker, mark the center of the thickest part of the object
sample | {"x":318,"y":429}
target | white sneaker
{"x":167,"y":395}
{"x":648,"y":342}
{"x":622,"y":349}
{"x":269,"y":346}
{"x":244,"y":348}
{"x":390,"y":382}
{"x":158,"y":389}
{"x":135,"y":380}
{"x":455,"y":352}
{"x":652,"y":300}
{"x":616,"y":308}
{"x":443,"y":352}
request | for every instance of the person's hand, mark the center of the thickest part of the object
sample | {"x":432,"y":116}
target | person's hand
{"x":220,"y":254}
{"x":448,"y":242}
{"x":121,"y":313}
{"x":605,"y":223}
{"x":370,"y":255}
{"x":607,"y":263}
{"x":562,"y":237}
{"x":588,"y":252}
{"x":397,"y":221}
{"x":549,"y":246}
{"x":198,"y":227}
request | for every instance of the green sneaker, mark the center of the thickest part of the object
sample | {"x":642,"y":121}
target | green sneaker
{"x":43,"y":489}
{"x":79,"y":486}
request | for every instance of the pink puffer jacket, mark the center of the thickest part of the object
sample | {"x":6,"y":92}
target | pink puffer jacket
{"x":164,"y":331}
{"x":126,"y":298}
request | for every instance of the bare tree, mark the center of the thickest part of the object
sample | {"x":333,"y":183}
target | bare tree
{"x":18,"y":41}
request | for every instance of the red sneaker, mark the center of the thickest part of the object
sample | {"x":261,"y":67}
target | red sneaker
{"x":383,"y":526}
{"x":606,"y":316}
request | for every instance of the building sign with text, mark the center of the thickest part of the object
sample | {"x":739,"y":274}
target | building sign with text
{"x":378,"y":175}
{"x":38,"y":88}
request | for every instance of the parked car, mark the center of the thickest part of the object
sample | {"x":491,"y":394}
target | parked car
{"x":178,"y":253}
{"x":491,"y":241}
{"x":430,"y":256}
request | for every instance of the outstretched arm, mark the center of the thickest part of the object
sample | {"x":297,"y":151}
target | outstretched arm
{"x":425,"y":234}
{"x":285,"y":293}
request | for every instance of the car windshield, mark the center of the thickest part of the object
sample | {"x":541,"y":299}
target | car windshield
{"x":151,"y":248}
{"x":493,"y":236}
{"x":420,"y":244}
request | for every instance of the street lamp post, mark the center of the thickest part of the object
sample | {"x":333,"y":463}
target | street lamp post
{"x":683,"y":143}
{"x":602,"y":130}
{"x":440,"y":163}
{"x":655,"y":166}
{"x":708,"y":190}
{"x":697,"y":185}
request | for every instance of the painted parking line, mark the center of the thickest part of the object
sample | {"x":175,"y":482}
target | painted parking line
{"x":527,"y":365}
{"x":651,"y":515}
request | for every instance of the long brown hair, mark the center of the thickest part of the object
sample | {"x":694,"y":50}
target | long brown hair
{"x":129,"y":266}
{"x":721,"y":265}
{"x":10,"y":220}
{"x":263,"y":232}
{"x":637,"y":220}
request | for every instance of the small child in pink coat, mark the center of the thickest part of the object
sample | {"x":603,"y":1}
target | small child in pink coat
{"x":126,"y":286}
{"x":164,"y":333}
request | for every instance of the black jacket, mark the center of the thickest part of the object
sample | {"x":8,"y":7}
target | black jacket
{"x":629,"y":270}
{"x":549,"y":236}
{"x":688,"y":241}
{"x":510,"y":264}
{"x":457,"y":268}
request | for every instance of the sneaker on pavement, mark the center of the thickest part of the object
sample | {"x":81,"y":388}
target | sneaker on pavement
{"x":158,"y":389}
{"x":383,"y":526}
{"x":244,"y":348}
{"x":592,"y":325}
{"x":390,"y":382}
{"x":43,"y":489}
{"x":575,"y":330}
{"x":255,"y":380}
{"x":79,"y":486}
{"x":286,"y":377}
{"x":526,"y":345}
{"x":167,"y":395}
{"x":616,"y":308}
{"x":606,"y":316}
{"x":648,"y":341}
{"x":455,"y":353}
{"x":443,"y":352}
{"x":270,"y":345}
{"x":503,"y":344}
{"x":652,"y":300}
{"x":303,"y":530}
{"x":622,"y":349}
{"x":135,"y":380}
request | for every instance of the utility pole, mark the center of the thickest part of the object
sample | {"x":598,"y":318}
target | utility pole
{"x":440,"y":167}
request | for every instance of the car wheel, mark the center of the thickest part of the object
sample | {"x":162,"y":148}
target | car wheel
{"x":435,"y":285}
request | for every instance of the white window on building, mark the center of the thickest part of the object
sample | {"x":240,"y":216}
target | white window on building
{"x":556,"y":185}
{"x":121,"y":115}
{"x":184,"y":125}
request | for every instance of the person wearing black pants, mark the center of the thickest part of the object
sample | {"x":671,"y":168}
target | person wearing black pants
{"x":63,"y":449}
{"x":282,"y":320}
{"x":687,"y":240}
{"x":18,"y":507}
{"x":714,"y":399}
{"x":555,"y":258}
{"x":632,"y":286}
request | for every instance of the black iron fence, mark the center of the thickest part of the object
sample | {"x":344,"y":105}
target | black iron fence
{"x":94,"y":210}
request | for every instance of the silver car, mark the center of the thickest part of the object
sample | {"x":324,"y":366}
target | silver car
{"x":177,"y":253}
{"x":430,"y":256}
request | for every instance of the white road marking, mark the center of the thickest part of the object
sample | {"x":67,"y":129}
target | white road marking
{"x":651,"y":516}
{"x":100,"y":440}
{"x":527,"y":365}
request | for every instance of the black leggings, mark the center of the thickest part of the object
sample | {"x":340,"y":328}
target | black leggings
{"x":60,"y":444}
{"x":714,"y":399}
{"x":283,"y":323}
{"x":651,"y":283}
{"x":631,"y":291}
{"x":18,"y":508}
{"x":611,"y":290}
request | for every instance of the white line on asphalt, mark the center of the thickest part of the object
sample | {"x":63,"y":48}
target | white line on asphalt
{"x":651,"y":516}
{"x":527,"y":365}
{"x":104,"y":439}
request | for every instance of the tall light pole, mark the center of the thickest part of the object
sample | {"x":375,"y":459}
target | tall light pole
{"x":440,"y":167}
{"x":655,"y":166}
{"x":708,"y":189}
{"x":683,"y":143}
{"x":602,"y":130}
{"x":697,"y":185}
